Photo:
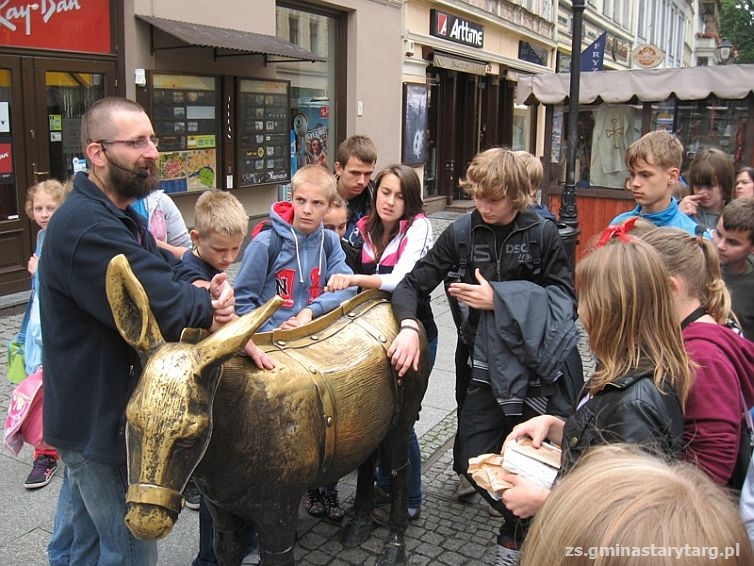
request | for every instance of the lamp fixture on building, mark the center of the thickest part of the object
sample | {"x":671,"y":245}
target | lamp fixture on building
{"x":724,"y":50}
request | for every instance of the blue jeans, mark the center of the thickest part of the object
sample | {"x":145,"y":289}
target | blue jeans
{"x":61,"y":541}
{"x":384,"y":479}
{"x":89,"y":523}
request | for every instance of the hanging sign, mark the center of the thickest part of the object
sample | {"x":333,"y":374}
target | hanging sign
{"x":647,"y":56}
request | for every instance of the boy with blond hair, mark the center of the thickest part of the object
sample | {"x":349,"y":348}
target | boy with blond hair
{"x":221,"y":224}
{"x":299,"y":256}
{"x":516,"y":353}
{"x":654,"y":165}
{"x":305,"y":255}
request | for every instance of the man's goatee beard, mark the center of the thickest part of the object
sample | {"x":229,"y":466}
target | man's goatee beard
{"x":128,"y":184}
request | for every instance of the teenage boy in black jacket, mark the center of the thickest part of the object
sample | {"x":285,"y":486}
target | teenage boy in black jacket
{"x":520,"y":295}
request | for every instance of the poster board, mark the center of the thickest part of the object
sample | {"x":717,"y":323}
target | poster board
{"x":414,"y":124}
{"x":264,"y":132}
{"x":185,"y":110}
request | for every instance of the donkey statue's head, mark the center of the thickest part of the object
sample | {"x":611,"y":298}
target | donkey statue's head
{"x":169,"y":415}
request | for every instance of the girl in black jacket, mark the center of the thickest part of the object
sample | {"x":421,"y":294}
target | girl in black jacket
{"x":638,"y":390}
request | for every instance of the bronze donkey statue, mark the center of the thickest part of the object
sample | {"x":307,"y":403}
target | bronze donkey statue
{"x":255,"y":440}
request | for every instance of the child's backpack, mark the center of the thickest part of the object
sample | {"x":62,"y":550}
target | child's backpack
{"x":462,"y":236}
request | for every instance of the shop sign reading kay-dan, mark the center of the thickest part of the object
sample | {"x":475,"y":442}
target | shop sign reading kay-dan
{"x":67,"y":25}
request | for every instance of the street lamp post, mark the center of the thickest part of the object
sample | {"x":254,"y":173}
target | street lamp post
{"x":569,"y":219}
{"x":724,"y":50}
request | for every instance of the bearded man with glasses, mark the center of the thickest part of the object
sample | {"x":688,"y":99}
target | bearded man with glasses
{"x":90,"y":371}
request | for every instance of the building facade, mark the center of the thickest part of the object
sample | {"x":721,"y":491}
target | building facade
{"x":240,"y":93}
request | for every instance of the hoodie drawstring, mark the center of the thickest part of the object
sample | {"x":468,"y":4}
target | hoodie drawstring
{"x":298,"y":257}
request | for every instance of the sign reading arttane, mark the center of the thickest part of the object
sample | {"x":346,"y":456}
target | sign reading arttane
{"x":453,"y":28}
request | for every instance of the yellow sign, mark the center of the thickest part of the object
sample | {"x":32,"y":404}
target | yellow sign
{"x":56,"y":122}
{"x":200,"y":142}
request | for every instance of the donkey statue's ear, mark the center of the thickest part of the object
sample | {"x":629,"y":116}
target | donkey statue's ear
{"x":232,"y":337}
{"x":130,"y":306}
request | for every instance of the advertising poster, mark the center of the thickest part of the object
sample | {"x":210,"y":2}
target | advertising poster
{"x":182,"y":171}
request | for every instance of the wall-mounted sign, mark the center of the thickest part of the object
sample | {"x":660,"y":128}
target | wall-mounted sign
{"x":65,"y":25}
{"x":647,"y":56}
{"x":450,"y":27}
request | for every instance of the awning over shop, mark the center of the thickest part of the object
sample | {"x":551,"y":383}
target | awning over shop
{"x":687,"y":83}
{"x":454,"y":63}
{"x":236,"y":41}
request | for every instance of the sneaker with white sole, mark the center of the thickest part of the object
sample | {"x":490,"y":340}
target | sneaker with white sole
{"x":43,"y":468}
{"x":192,"y":496}
{"x":505,"y":556}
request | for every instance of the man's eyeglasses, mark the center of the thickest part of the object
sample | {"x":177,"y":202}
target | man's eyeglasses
{"x":138,"y":143}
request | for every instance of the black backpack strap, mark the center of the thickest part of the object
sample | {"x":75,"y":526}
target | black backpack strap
{"x":535,"y":246}
{"x":462,"y":235}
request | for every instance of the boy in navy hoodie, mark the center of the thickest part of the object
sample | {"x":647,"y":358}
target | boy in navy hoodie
{"x":298,"y":256}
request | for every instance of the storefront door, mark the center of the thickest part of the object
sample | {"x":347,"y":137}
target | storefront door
{"x":41,"y":104}
{"x":456,"y":128}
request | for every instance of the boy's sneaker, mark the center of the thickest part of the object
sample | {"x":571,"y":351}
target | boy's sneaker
{"x":464,"y":489}
{"x":505,"y":556}
{"x":192,"y":496}
{"x":42,"y":470}
{"x":314,"y":504}
{"x":335,"y":512}
{"x":381,"y":515}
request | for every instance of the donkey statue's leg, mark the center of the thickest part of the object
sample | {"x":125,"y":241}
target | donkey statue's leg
{"x":230,"y":536}
{"x":277,"y":529}
{"x":360,"y":526}
{"x":395,"y":455}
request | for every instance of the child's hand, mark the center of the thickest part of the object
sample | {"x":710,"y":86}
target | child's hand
{"x":405,"y":352}
{"x":32,"y":265}
{"x":689,"y":205}
{"x":538,"y":429}
{"x":340,"y":281}
{"x":480,"y":297}
{"x":302,"y":318}
{"x":260,"y":359}
{"x":525,"y":498}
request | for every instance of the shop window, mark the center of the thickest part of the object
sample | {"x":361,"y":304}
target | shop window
{"x":185,"y":115}
{"x":312,"y":86}
{"x":8,"y":199}
{"x":522,"y":127}
{"x":603,"y":134}
{"x":711,"y":123}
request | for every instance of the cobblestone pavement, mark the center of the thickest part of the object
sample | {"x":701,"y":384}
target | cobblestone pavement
{"x":448,"y":532}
